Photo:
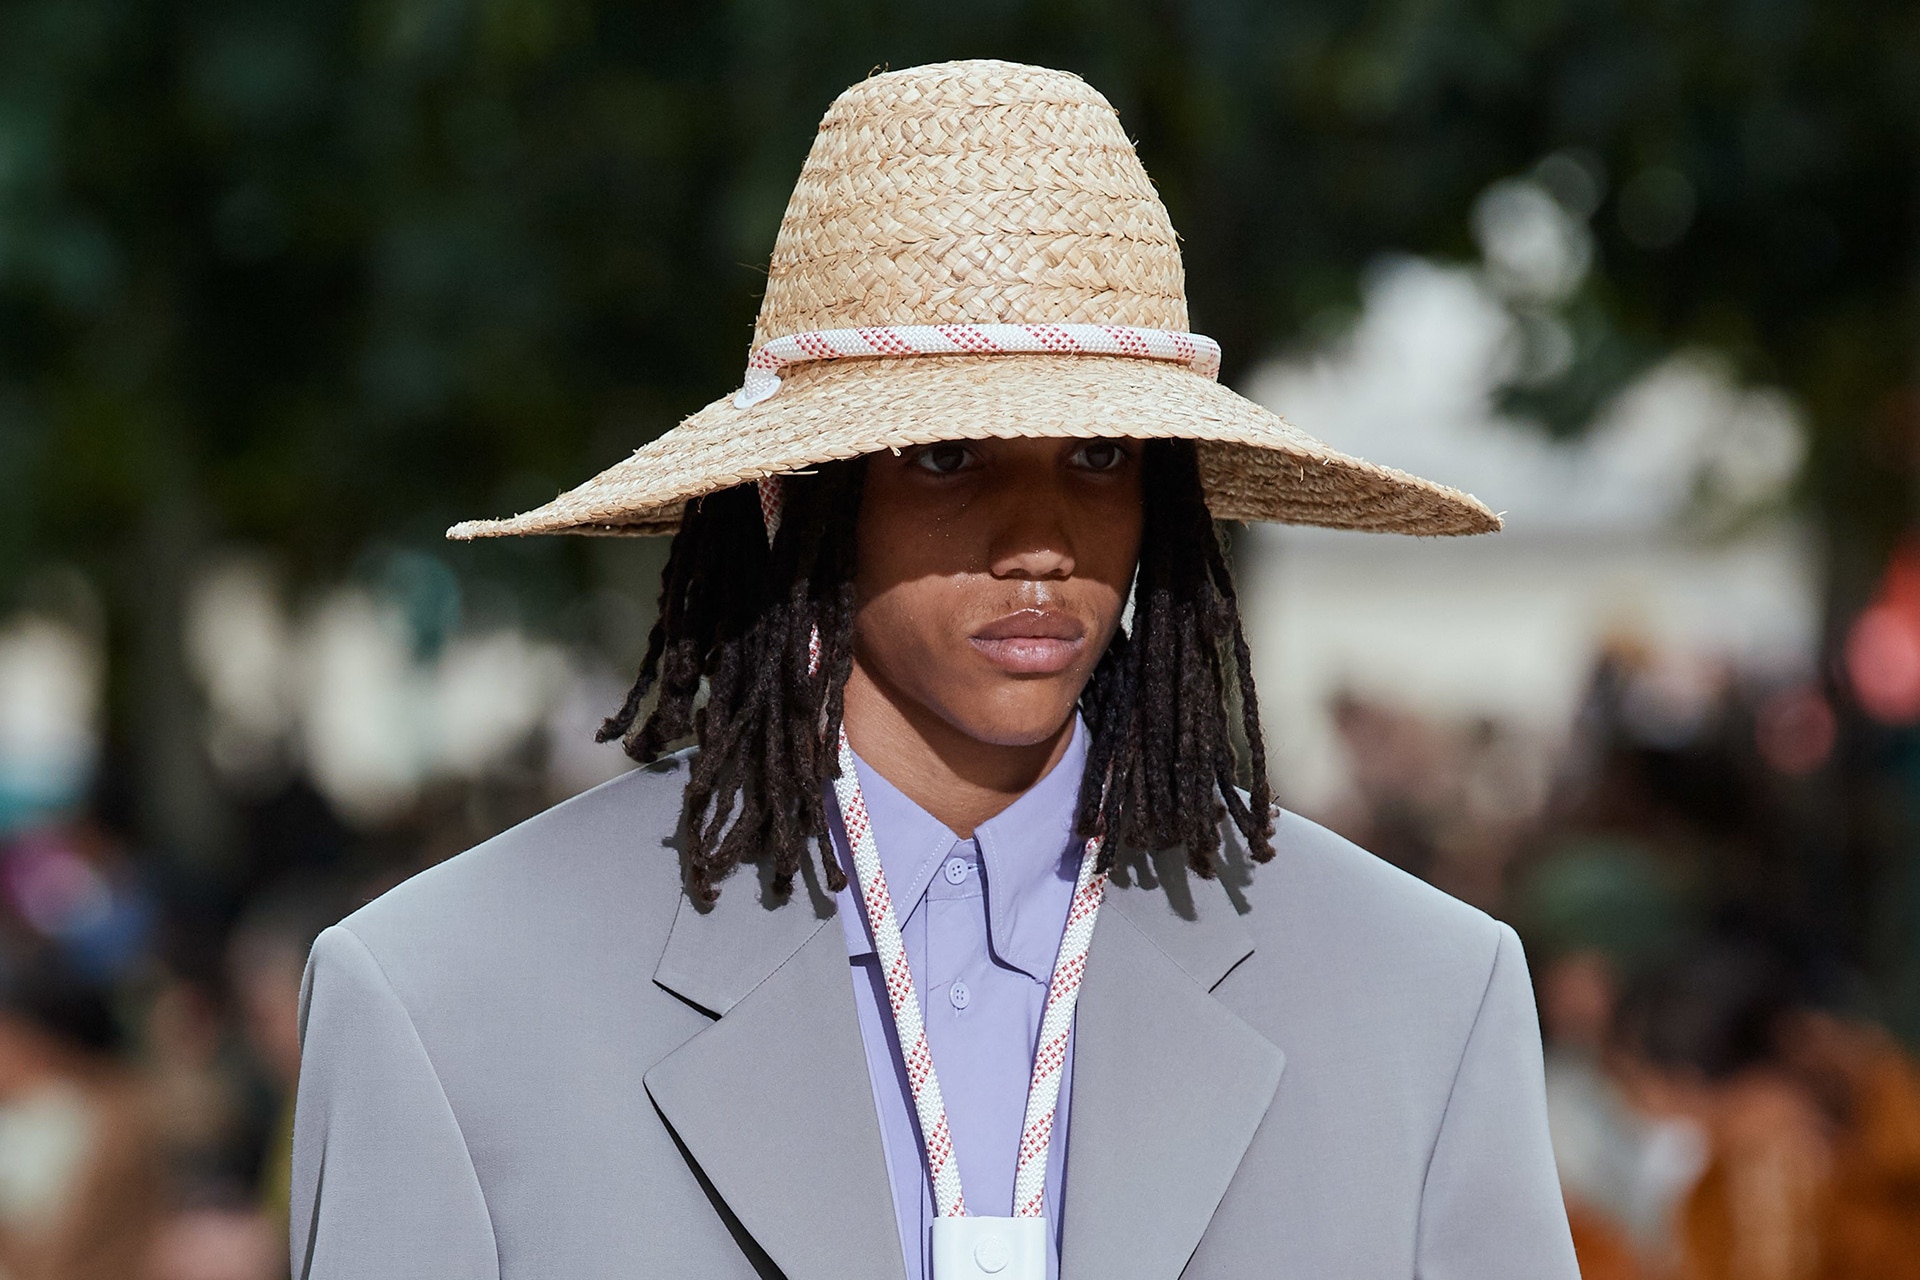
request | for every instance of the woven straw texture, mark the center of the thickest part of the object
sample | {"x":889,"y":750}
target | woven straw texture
{"x":985,"y":193}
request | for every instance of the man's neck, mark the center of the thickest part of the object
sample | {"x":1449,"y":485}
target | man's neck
{"x":958,"y":779}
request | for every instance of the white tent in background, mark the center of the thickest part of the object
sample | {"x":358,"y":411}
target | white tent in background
{"x":1604,"y":537}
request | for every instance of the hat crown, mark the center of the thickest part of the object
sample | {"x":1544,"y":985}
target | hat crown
{"x":972,"y":192}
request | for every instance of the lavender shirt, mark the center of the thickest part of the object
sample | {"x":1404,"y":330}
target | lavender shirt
{"x":982,"y":920}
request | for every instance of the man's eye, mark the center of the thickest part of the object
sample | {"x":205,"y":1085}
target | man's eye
{"x":1100,"y":455}
{"x":943,"y":459}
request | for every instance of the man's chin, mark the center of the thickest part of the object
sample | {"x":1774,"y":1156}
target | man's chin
{"x":1027,"y":722}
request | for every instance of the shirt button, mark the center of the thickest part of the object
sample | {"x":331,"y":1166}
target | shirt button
{"x":955,"y":871}
{"x":958,"y":995}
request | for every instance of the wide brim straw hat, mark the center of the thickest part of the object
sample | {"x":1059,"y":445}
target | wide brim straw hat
{"x":973,"y":250}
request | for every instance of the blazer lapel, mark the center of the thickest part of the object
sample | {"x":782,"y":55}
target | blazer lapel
{"x":1168,"y":1084}
{"x":772,"y":1101}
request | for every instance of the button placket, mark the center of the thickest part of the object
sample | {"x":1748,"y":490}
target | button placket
{"x":954,"y":900}
{"x":949,"y":908}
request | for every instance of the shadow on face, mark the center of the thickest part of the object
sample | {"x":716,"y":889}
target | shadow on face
{"x":992,"y":575}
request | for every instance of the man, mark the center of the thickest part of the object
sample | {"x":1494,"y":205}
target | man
{"x":973,"y":430}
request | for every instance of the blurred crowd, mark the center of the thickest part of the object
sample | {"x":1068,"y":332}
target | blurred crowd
{"x":1726,"y":1097}
{"x":149,"y":1026}
{"x":307,"y":282}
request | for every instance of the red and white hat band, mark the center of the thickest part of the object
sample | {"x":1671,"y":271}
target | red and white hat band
{"x":763,"y":367}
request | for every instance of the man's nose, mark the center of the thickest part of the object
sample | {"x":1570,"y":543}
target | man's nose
{"x":1032,"y":540}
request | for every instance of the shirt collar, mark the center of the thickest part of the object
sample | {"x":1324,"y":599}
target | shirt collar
{"x":1028,"y":851}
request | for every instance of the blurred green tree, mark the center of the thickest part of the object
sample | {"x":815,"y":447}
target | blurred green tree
{"x":324,"y":275}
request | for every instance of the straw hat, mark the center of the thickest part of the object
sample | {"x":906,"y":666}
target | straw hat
{"x":971,"y":194}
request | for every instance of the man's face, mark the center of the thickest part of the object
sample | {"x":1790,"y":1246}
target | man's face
{"x":992,"y":575}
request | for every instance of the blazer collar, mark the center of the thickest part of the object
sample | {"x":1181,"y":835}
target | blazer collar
{"x":1169,"y":1085}
{"x":771,"y":1103}
{"x":716,"y":954}
{"x":773,"y":1106}
{"x":1195,"y":922}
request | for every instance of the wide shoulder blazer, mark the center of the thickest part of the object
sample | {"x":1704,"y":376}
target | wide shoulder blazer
{"x":540,"y":1059}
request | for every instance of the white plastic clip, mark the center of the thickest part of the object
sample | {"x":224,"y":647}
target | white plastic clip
{"x":989,"y":1248}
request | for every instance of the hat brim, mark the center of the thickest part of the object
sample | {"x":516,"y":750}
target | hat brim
{"x":1255,"y":465}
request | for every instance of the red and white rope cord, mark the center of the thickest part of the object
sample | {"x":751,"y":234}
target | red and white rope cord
{"x":1196,"y":350}
{"x":772,"y":506}
{"x":763,"y":367}
{"x":1056,"y":1025}
{"x":1063,"y":992}
{"x":942,"y":1168}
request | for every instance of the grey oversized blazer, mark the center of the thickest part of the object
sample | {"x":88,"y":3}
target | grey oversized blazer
{"x":538,"y":1059}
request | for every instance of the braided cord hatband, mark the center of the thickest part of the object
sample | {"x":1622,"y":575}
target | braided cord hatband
{"x":1195,"y":350}
{"x":763,"y":367}
{"x":1056,"y":1023}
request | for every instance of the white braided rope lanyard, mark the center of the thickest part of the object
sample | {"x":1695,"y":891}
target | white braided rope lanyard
{"x":1056,"y":1024}
{"x":1198,"y":351}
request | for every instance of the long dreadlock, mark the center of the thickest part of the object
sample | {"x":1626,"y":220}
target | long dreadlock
{"x":739,"y":615}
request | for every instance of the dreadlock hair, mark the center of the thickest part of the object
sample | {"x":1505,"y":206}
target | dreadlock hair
{"x":738,"y":617}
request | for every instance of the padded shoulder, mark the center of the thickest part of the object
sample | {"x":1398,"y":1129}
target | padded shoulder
{"x":1325,"y":892}
{"x":606,"y":856}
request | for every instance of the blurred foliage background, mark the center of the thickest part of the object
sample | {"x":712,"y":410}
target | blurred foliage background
{"x":313,"y":279}
{"x":325,"y":276}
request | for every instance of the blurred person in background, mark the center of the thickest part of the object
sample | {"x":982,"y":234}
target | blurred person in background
{"x":266,"y":958}
{"x":200,"y":1079}
{"x":1597,"y":911}
{"x":216,"y":1106}
{"x":1699,"y":1042}
{"x":222,"y":1059}
{"x":1868,"y":1086}
{"x":1810,"y":1108}
{"x":215,"y":1243}
{"x":79,"y":1170}
{"x":1598,"y":1142}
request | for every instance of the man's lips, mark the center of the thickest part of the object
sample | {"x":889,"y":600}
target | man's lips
{"x":1031,"y":642}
